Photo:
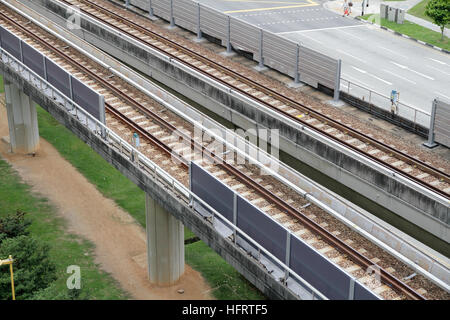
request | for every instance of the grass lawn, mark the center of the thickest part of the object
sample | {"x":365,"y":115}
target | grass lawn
{"x":65,"y":248}
{"x":226,"y":282}
{"x":419,"y":10}
{"x":415,"y":31}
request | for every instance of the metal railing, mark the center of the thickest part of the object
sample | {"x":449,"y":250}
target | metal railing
{"x":407,"y":112}
{"x":135,"y":156}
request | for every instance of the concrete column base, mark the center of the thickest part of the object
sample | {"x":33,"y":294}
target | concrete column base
{"x":22,"y":120}
{"x":165,"y":244}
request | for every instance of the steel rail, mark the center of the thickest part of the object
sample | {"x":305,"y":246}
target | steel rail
{"x":442,"y":176}
{"x":354,"y":255}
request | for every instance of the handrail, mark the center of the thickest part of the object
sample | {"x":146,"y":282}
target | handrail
{"x":416,"y":110}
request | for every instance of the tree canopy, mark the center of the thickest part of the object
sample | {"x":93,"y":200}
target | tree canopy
{"x":439,"y":12}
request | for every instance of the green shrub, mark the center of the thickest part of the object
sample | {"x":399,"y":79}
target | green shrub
{"x":33,"y":269}
{"x":13,"y":225}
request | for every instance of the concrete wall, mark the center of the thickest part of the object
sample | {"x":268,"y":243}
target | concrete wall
{"x":235,"y":256}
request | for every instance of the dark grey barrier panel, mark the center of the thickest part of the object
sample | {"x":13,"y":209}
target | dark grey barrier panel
{"x":362,"y":293}
{"x":58,"y":77}
{"x":86,"y":98}
{"x":261,"y":228}
{"x":314,"y":268}
{"x":33,"y":59}
{"x":212,"y":191}
{"x":318,"y":271}
{"x":10,"y":43}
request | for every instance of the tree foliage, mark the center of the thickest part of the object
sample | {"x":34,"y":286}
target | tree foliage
{"x":33,"y":269}
{"x":439,"y":12}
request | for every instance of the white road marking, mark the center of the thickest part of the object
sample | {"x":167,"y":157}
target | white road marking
{"x":399,"y":65}
{"x":356,"y":81}
{"x":348,"y":54}
{"x":447,"y":73}
{"x":282,"y":12}
{"x":351,"y":35}
{"x":385,"y":81}
{"x":371,"y":75}
{"x":392,"y":51}
{"x":442,"y":94}
{"x":438,"y":61}
{"x":396,"y":75}
{"x":310,"y":30}
{"x":360,"y":70}
{"x":421,"y":74}
{"x":315,"y":40}
{"x":406,"y":68}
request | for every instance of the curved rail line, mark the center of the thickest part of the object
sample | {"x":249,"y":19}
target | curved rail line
{"x":354,"y":255}
{"x":416,"y":163}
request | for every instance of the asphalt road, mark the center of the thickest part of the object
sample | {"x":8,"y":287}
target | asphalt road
{"x":282,"y":16}
{"x":372,"y":57}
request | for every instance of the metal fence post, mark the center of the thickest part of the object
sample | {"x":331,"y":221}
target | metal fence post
{"x":191,"y":198}
{"x":21,"y":51}
{"x":430,"y":143}
{"x":199,"y":30}
{"x":351,"y":290}
{"x":71,"y":86}
{"x":102,"y":118}
{"x":297,"y":64}
{"x":235,"y":213}
{"x":228,"y":34}
{"x":337,"y":82}
{"x":127,"y":3}
{"x":288,"y":255}
{"x":261,"y":59}
{"x":150,"y":9}
{"x":44,"y":62}
{"x":172,"y":20}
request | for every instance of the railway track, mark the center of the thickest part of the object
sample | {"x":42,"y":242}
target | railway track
{"x":403,"y":164}
{"x":129,"y":111}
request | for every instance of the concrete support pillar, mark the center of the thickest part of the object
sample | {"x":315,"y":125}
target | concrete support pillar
{"x":22,"y":120}
{"x":165,"y":244}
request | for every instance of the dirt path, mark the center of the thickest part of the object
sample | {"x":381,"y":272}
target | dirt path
{"x":120,"y":242}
